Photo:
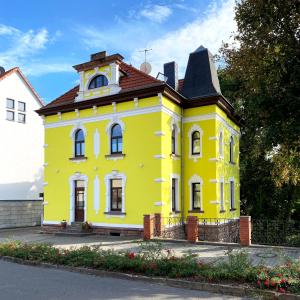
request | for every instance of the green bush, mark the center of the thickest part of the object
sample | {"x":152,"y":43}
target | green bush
{"x":153,"y":260}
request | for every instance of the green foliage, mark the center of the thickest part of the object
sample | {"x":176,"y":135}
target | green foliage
{"x":261,"y":77}
{"x":154,"y":260}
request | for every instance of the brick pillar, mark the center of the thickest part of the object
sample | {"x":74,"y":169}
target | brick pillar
{"x":157,"y":224}
{"x":148,"y":227}
{"x":192,"y":229}
{"x":245,"y":230}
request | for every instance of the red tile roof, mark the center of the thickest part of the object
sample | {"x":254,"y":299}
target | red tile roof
{"x":133,"y":79}
{"x":17,"y":69}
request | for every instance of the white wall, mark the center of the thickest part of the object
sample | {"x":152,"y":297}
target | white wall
{"x":21,"y":145}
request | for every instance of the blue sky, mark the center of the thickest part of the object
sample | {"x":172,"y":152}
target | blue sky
{"x":46,"y":38}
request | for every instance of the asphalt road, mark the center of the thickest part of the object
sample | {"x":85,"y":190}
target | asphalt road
{"x":35,"y":283}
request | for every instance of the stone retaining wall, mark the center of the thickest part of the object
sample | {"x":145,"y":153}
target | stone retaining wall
{"x":20,"y":213}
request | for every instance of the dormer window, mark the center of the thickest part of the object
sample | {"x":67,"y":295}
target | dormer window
{"x":98,"y":81}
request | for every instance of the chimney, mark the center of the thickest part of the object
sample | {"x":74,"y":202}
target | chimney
{"x":171,"y":72}
{"x":98,"y":55}
{"x":2,"y":70}
{"x":201,"y":77}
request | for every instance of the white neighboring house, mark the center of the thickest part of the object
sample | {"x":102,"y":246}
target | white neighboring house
{"x":22,"y":138}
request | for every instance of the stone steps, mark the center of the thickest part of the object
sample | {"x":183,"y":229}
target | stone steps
{"x":74,"y":230}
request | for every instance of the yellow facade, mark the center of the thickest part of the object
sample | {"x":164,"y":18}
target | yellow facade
{"x":147,"y":166}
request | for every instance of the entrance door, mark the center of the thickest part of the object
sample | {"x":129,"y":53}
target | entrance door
{"x":79,"y":201}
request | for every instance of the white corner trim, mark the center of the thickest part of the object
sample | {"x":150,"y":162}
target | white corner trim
{"x":114,"y":105}
{"x":108,"y":225}
{"x":159,"y":203}
{"x":51,"y":222}
{"x":95,"y":109}
{"x":45,"y":183}
{"x":136,"y":102}
{"x":213,"y":159}
{"x":214,"y":180}
{"x":160,"y":156}
{"x":59,"y":115}
{"x":160,"y":180}
{"x":160,"y":98}
{"x":159,"y":133}
{"x":77,"y":112}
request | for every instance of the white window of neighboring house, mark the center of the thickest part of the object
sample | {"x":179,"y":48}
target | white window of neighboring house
{"x":21,"y":118}
{"x":10,"y":115}
{"x":232,"y":200}
{"x":10,"y":103}
{"x":21,"y":106}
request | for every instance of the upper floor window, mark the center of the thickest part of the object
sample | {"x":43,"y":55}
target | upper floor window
{"x":116,"y":139}
{"x":79,"y":143}
{"x":21,"y":106}
{"x":196,"y":142}
{"x":98,"y":81}
{"x":10,"y":103}
{"x":10,"y":115}
{"x":173,"y":139}
{"x":231,"y":145}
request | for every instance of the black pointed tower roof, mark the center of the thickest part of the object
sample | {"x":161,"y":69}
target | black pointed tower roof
{"x":201,"y":79}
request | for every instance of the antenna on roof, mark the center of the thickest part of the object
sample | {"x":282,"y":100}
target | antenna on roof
{"x":145,"y":66}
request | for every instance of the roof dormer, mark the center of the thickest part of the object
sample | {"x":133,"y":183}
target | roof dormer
{"x":99,"y":77}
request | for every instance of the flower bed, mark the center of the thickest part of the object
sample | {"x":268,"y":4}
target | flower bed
{"x":153,"y":260}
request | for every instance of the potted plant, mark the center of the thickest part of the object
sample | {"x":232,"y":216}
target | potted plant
{"x":86,"y":226}
{"x":63,"y":224}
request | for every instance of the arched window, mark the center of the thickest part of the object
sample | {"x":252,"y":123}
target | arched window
{"x":221,"y":144}
{"x":173,"y":139}
{"x":98,"y":81}
{"x":116,"y":139}
{"x":79,"y":143}
{"x":196,"y":142}
{"x":231,"y":144}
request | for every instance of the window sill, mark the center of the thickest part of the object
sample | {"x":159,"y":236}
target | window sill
{"x":222,"y":211}
{"x":115,"y":213}
{"x":232,"y":209}
{"x":232,"y":163}
{"x":175,"y":212}
{"x":197,"y":211}
{"x":78,"y":158}
{"x":175,"y":156}
{"x":115,"y":156}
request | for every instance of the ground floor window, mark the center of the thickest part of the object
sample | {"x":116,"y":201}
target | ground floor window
{"x":222,"y":195}
{"x":196,"y":195}
{"x":231,"y":194}
{"x":174,"y":200}
{"x":116,"y":194}
{"x":79,"y":200}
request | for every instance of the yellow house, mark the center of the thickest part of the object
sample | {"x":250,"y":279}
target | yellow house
{"x":123,"y":144}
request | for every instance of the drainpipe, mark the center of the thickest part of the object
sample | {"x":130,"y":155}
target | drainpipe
{"x":182,"y":168}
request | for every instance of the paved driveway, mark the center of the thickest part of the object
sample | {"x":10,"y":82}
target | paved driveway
{"x":207,"y":253}
{"x":19,"y":282}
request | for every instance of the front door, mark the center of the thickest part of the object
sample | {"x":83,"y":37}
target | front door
{"x":79,"y":201}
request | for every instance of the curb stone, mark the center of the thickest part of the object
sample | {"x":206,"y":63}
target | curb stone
{"x":232,"y":290}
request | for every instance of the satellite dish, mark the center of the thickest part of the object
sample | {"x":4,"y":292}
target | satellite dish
{"x":146,"y":67}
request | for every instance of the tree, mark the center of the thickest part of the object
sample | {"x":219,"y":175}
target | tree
{"x":261,"y":77}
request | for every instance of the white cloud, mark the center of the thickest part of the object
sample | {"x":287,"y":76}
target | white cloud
{"x":23,"y":47}
{"x":215,"y":26}
{"x":156,"y":13}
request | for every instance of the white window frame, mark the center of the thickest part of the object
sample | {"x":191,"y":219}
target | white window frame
{"x":72,"y":179}
{"x":194,"y":128}
{"x":231,"y":149}
{"x":13,"y":113}
{"x":232,"y":193}
{"x":222,"y":194}
{"x":14,"y":104}
{"x":195,"y":179}
{"x":72,"y":136}
{"x":107,"y":178}
{"x":108,"y":131}
{"x":177,"y":192}
{"x":221,"y":144}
